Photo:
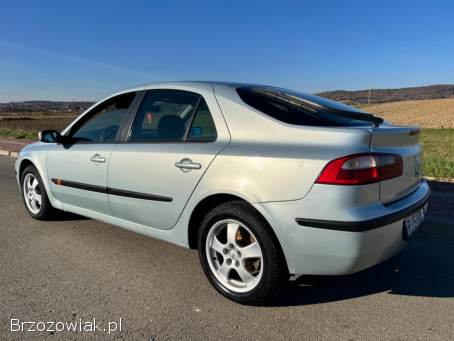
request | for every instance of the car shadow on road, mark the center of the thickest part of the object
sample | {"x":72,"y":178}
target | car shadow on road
{"x":424,"y":268}
{"x":66,"y":216}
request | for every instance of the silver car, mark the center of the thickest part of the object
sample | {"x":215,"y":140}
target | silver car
{"x":265,"y":182}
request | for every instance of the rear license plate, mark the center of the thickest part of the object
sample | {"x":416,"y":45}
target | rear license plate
{"x":412,"y":222}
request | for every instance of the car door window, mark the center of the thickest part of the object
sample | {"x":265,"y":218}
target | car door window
{"x":103,"y":122}
{"x":202,"y":128}
{"x":164,"y":115}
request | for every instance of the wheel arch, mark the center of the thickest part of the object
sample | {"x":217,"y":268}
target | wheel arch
{"x":207,"y":204}
{"x":39,"y":162}
{"x":201,"y":209}
{"x":23,"y":164}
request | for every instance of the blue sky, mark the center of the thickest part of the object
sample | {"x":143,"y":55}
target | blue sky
{"x":88,"y":49}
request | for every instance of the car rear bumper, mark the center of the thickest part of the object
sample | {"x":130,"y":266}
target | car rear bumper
{"x":337,"y":247}
{"x":369,"y":224}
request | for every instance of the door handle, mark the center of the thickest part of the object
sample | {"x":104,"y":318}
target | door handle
{"x":187,"y":165}
{"x":98,"y":159}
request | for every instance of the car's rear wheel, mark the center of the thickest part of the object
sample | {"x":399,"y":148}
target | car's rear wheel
{"x":240,"y":254}
{"x":34,"y":194}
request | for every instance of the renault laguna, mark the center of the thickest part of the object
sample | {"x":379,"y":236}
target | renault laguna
{"x":265,"y":182}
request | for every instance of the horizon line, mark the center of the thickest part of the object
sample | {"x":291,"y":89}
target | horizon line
{"x":318,"y":92}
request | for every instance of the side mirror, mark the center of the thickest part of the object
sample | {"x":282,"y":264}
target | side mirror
{"x":50,"y":136}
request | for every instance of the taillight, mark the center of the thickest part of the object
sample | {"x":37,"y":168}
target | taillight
{"x":360,"y":169}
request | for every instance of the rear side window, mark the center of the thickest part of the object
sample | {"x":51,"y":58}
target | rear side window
{"x":301,"y":109}
{"x":202,"y":128}
{"x":164,"y":115}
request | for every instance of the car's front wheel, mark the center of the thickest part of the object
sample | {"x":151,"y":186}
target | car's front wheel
{"x":240,"y":254}
{"x":34,"y":194}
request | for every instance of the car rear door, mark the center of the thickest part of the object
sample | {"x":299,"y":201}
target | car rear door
{"x":77,"y":169}
{"x":174,"y":136}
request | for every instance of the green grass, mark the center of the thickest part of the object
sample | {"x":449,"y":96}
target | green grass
{"x":19,"y":134}
{"x":438,"y":147}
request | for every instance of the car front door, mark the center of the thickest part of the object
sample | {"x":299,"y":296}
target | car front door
{"x":173,"y":138}
{"x":77,"y":168}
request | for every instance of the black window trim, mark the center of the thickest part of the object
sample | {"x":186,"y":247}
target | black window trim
{"x":191,"y":118}
{"x":126,"y":128}
{"x":93,"y":112}
{"x":132,"y":115}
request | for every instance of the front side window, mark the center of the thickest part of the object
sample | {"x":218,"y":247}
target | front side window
{"x":103,"y":122}
{"x":164,"y":115}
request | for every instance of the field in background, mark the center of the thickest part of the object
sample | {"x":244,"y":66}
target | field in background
{"x":35,"y":121}
{"x":431,"y":113}
{"x":438,"y":147}
{"x":437,"y":113}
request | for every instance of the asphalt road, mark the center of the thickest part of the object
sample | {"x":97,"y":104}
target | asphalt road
{"x":78,"y":269}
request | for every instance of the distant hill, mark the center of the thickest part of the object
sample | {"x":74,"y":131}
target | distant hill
{"x":45,"y":106}
{"x":357,"y":97}
{"x":391,"y":95}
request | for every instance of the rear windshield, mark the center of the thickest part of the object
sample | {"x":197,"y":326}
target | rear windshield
{"x":302,"y":109}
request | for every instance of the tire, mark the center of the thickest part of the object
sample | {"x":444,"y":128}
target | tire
{"x":43,"y":210}
{"x":242,"y":272}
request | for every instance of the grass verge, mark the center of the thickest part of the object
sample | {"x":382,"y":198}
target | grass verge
{"x":19,"y":134}
{"x":438,"y":147}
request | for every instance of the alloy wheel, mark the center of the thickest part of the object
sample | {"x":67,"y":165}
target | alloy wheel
{"x":234,"y":255}
{"x":32,"y":193}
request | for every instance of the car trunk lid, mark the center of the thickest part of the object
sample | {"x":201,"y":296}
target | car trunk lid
{"x":405,"y":142}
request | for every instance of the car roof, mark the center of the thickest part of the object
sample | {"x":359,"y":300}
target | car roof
{"x":192,"y":84}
